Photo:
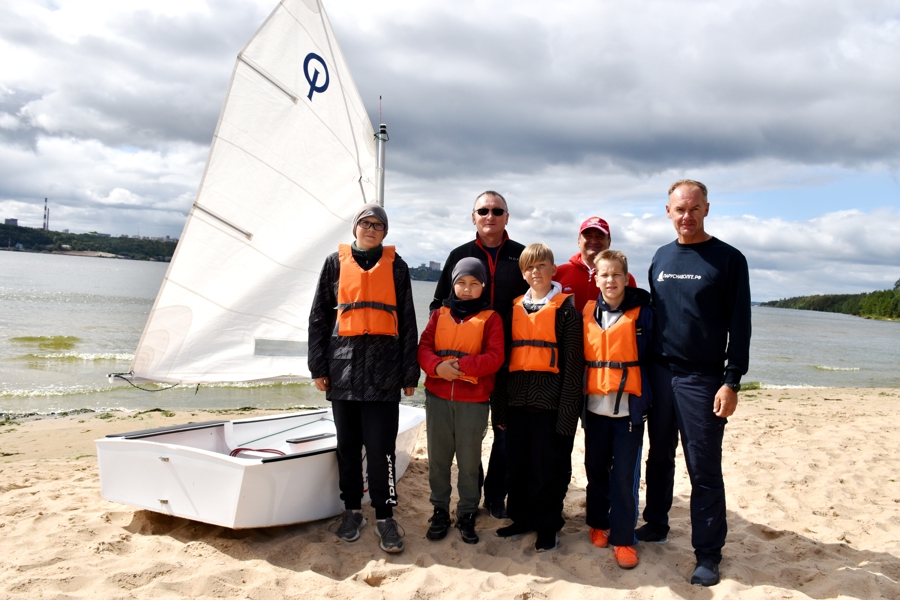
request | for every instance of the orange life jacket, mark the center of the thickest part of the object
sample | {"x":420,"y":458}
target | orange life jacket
{"x":367,"y":301}
{"x":455,"y":340}
{"x":611,"y":355}
{"x":534,"y":346}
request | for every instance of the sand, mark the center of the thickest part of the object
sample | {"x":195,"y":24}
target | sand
{"x":813,"y":512}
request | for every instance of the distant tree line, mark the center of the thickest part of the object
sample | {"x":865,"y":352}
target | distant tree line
{"x":884,"y":304}
{"x":38,"y":240}
{"x":424,"y":274}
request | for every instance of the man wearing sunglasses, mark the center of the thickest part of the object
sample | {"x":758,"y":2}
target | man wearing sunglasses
{"x":500,"y":256}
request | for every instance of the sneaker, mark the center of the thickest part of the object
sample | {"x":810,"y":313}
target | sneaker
{"x":600,"y":537}
{"x":514,"y":530}
{"x":706,"y":573}
{"x":626,"y":556}
{"x":497,"y":510}
{"x":391,"y":535}
{"x":546,"y":541}
{"x":466,"y":525}
{"x":651,"y":533}
{"x":440,"y":524}
{"x":350,"y":524}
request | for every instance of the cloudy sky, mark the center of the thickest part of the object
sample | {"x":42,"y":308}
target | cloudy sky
{"x":788,"y":111}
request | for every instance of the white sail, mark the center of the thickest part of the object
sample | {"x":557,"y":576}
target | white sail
{"x":292,"y":159}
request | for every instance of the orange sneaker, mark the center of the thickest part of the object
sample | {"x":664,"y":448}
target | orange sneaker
{"x":600,"y":537}
{"x":626,"y":556}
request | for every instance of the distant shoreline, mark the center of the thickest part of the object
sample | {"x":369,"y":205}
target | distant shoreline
{"x":87,"y":253}
{"x":868,"y":317}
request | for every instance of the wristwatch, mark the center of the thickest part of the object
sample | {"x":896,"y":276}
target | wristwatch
{"x":734,"y":386}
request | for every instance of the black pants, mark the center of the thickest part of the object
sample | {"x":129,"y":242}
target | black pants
{"x":612,"y":461}
{"x":540,"y":468}
{"x":373,"y":425}
{"x":495,"y":481}
{"x":683,"y":404}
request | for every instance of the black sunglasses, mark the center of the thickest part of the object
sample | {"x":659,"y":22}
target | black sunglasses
{"x":370,"y":225}
{"x":497,"y":212}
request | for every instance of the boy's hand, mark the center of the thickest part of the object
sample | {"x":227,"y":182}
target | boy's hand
{"x":321,"y":383}
{"x":449,"y":370}
{"x":409,"y":391}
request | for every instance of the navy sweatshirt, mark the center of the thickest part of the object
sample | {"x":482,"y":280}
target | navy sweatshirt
{"x":701,"y":298}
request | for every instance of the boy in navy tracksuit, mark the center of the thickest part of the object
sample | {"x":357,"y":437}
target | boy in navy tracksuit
{"x":616,"y":335}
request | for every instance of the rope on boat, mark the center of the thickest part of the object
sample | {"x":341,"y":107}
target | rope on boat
{"x":237,"y":451}
{"x":285,"y":431}
{"x":123,"y":377}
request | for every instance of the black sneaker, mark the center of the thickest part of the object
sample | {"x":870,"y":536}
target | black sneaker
{"x":466,"y":525}
{"x":514,"y":530}
{"x":652,"y":533}
{"x":440,"y":524}
{"x":706,"y":573}
{"x":350,"y":524}
{"x":391,"y":535}
{"x":546,"y":540}
{"x":497,"y":510}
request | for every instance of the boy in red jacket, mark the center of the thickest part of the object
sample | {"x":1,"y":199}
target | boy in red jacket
{"x":460,"y":351}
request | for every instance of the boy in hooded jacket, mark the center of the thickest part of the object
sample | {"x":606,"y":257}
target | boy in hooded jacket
{"x":461,"y":350}
{"x":617,"y":329}
{"x":541,"y":403}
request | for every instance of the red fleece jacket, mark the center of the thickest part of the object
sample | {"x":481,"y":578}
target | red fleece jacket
{"x":484,"y":366}
{"x":575,"y":278}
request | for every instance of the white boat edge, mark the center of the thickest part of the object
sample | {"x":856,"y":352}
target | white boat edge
{"x":186,"y":470}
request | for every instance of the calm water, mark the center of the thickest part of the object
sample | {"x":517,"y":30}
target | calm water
{"x":67,"y":321}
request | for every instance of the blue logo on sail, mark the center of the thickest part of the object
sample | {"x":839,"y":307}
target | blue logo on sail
{"x":313,"y":80}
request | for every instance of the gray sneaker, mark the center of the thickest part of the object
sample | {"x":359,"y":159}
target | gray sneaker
{"x":350,"y":524}
{"x":391,"y":535}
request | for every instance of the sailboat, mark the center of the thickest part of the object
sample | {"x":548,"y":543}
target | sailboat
{"x":293,"y":157}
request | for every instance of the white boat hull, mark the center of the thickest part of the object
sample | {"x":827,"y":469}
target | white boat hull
{"x":186,"y":471}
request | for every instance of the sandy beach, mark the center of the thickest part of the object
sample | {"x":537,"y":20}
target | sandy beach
{"x":813,"y":512}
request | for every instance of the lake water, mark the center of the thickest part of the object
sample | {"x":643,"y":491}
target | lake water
{"x":67,"y":321}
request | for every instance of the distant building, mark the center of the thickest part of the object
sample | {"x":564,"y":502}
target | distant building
{"x":13,"y":222}
{"x":434,"y":265}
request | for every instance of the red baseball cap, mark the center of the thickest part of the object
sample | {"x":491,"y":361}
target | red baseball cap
{"x":595,"y":223}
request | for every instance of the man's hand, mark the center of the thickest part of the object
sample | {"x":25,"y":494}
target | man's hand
{"x":725,"y":403}
{"x":321,"y":383}
{"x":409,"y":391}
{"x":449,"y":370}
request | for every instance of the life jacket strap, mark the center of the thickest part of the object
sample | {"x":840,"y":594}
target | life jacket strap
{"x":390,"y":308}
{"x":456,"y":353}
{"x":379,"y":305}
{"x":538,"y":344}
{"x":601,"y":364}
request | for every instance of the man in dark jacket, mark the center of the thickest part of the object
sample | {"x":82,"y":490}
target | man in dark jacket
{"x":500,"y":256}
{"x":361,"y":357}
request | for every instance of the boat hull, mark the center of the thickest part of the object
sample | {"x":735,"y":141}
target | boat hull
{"x":187,"y":471}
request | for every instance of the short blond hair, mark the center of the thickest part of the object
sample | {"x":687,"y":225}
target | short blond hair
{"x":690,"y":183}
{"x":533,"y":254}
{"x":612,"y":255}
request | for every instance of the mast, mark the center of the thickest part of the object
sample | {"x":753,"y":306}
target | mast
{"x":381,"y":139}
